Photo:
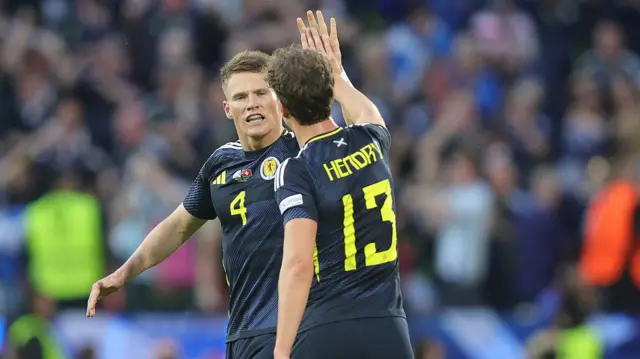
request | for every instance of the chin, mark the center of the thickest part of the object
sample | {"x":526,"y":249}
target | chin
{"x":259,"y":132}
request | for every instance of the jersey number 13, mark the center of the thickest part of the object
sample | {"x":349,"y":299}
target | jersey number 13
{"x":372,"y":256}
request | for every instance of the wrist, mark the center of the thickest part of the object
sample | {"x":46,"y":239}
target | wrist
{"x":121,"y":274}
{"x":279,"y":352}
{"x":344,"y":77}
{"x":126,"y":271}
{"x":342,"y":82}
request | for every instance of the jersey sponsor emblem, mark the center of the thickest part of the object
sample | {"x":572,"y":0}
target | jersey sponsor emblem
{"x":269,"y":167}
{"x":242,"y":175}
{"x":290,"y":202}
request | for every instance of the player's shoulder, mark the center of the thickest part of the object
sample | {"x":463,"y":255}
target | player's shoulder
{"x":229,"y":148}
{"x":223,"y":155}
{"x":369,"y":127}
{"x":290,"y":142}
{"x":365,"y":125}
{"x":380,"y":134}
{"x":293,"y":167}
{"x":226,"y":152}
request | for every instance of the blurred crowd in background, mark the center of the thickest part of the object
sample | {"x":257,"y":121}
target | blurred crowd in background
{"x":508,"y":116}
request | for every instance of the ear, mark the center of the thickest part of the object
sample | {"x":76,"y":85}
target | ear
{"x":285,"y":110}
{"x":227,"y":110}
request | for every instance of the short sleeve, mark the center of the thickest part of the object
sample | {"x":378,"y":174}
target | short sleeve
{"x":198,"y":200}
{"x":381,"y":134}
{"x":294,"y":191}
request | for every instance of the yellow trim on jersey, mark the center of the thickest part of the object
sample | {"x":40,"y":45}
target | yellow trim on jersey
{"x":221,"y":179}
{"x":324,"y":135}
{"x":316,"y":262}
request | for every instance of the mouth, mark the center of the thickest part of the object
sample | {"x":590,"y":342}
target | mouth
{"x":254,"y":119}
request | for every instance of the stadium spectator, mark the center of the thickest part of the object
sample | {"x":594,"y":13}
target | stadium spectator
{"x":463,"y":215}
{"x":32,"y":336}
{"x":609,"y":57}
{"x":506,"y":36}
{"x":609,"y":261}
{"x":63,"y":230}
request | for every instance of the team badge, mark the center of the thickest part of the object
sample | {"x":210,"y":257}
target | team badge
{"x":269,"y":168}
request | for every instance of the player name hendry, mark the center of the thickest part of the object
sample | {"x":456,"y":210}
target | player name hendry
{"x":343,"y":167}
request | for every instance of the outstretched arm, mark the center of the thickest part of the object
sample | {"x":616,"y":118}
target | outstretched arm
{"x":171,"y":233}
{"x":159,"y":244}
{"x":163,"y":240}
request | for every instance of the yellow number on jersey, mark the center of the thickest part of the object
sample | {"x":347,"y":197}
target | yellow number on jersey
{"x":237,"y":207}
{"x":371,"y":255}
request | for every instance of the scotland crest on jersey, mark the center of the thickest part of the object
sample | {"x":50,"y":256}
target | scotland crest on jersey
{"x":269,"y":167}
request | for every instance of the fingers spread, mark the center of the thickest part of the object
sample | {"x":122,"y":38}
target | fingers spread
{"x":316,"y":36}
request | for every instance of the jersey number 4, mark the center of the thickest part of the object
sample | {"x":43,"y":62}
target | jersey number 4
{"x":237,"y":207}
{"x":371,"y":255}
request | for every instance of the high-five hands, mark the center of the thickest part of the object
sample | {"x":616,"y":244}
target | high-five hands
{"x":317,"y":37}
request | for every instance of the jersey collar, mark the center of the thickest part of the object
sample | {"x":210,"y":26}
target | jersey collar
{"x":258,"y":153}
{"x":323,"y":135}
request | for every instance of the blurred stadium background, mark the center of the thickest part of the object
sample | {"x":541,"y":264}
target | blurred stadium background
{"x":516,"y":154}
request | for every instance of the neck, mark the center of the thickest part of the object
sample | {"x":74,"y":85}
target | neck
{"x":257,"y":143}
{"x":305,"y":133}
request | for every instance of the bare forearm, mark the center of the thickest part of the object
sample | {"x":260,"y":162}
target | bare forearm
{"x":161,"y":242}
{"x":356,"y":107}
{"x":345,"y":116}
{"x":293,"y":293}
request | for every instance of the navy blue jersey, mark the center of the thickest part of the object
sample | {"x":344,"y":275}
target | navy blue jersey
{"x":237,"y":187}
{"x":342,"y":181}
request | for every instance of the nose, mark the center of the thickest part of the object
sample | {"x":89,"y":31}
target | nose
{"x":253,"y":102}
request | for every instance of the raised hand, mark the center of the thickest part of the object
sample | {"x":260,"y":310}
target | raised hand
{"x":317,"y":37}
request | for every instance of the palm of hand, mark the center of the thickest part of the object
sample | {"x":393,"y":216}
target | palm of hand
{"x":317,"y":37}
